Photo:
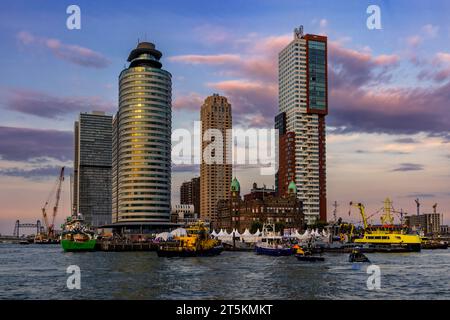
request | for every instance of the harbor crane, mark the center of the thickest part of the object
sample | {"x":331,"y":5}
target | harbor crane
{"x":362,"y":210}
{"x":50,"y":226}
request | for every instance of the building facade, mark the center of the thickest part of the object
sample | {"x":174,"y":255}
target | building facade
{"x":255,"y":209}
{"x":428,"y":223}
{"x":303,"y":97}
{"x":215,"y":177}
{"x":92,"y":168}
{"x":190,"y":193}
{"x":142,"y":140}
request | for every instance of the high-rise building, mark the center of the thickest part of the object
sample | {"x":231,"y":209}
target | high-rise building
{"x":92,"y":168}
{"x":142,"y":141}
{"x":215,"y":178}
{"x":190,"y":193}
{"x":303,"y":97}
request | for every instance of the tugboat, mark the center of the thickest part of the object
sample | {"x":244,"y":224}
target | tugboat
{"x":196,"y":243}
{"x":272,"y":244}
{"x":76,"y":236}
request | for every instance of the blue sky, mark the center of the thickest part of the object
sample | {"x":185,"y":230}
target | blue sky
{"x":389,"y":141}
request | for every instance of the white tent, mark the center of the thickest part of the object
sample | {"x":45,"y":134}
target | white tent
{"x":178,"y":232}
{"x":258,"y":233}
{"x":163,"y":236}
{"x":236,"y":233}
{"x":246,"y":233}
{"x":214,"y":234}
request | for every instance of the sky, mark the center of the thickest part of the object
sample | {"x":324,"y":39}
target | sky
{"x":389,"y":89}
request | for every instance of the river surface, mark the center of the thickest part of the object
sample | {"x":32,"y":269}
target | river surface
{"x":39,"y":272}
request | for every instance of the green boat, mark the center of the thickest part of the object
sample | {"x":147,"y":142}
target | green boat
{"x":70,"y":245}
{"x":76,"y":236}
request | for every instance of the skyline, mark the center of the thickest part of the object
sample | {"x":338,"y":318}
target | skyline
{"x":389,"y":90}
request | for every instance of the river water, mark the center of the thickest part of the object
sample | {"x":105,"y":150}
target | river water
{"x":39,"y":272}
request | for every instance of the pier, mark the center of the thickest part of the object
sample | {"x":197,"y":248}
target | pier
{"x":125,"y":246}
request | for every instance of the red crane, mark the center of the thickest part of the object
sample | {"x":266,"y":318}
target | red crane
{"x":50,"y":226}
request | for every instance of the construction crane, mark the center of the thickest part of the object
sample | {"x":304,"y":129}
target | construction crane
{"x":50,"y":231}
{"x":435,"y":208}
{"x":361,"y":208}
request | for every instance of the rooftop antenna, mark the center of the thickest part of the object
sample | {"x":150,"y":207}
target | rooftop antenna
{"x":435,"y":208}
{"x":298,"y":32}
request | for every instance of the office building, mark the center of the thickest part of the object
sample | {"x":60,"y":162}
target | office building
{"x":190,"y":193}
{"x":92,"y":168}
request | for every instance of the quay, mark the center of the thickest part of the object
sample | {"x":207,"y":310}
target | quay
{"x":125,"y":246}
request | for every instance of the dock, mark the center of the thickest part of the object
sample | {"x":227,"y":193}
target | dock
{"x":116,"y":246}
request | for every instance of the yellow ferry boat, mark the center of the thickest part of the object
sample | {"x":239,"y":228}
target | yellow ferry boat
{"x":387,"y":234}
{"x":196,"y":242}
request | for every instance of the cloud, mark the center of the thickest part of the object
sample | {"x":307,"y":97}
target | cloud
{"x":430,"y":30}
{"x":72,"y":53}
{"x":420,"y":195}
{"x":403,"y":167}
{"x":414,"y":41}
{"x":406,"y":140}
{"x":207,"y":59}
{"x":392,"y":111}
{"x":22,"y":144}
{"x":53,"y":107}
{"x":193,"y":168}
{"x":33,"y":173}
{"x":349,"y":67}
{"x":255,"y":101}
{"x":192,"y":101}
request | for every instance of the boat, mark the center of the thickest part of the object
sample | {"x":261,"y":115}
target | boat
{"x":306,"y":255}
{"x":431,"y":244}
{"x":358,"y":256}
{"x":272,"y":243}
{"x":197,"y":242}
{"x":76,"y":236}
{"x":387,"y":234}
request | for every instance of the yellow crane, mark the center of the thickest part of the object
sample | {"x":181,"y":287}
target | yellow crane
{"x":362,"y":209}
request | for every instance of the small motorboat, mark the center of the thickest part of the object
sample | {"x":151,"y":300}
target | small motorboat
{"x":357,"y":256}
{"x":307,"y":255}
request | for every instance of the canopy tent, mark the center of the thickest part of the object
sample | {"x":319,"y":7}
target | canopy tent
{"x":178,"y":232}
{"x":164,"y":236}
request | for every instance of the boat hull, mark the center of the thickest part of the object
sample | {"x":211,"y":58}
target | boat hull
{"x":165,"y":252}
{"x":276,"y":252}
{"x":71,"y":246}
{"x":309,"y":258}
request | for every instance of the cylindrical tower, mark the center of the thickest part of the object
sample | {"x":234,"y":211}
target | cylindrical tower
{"x":144,"y":138}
